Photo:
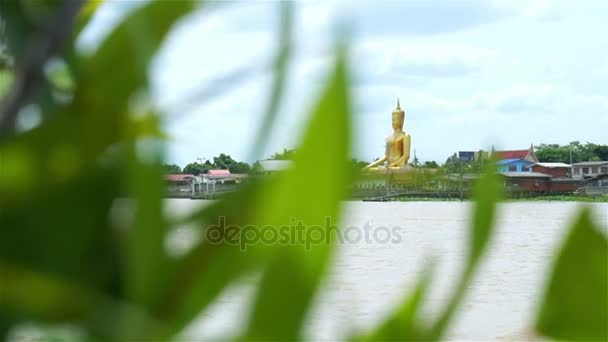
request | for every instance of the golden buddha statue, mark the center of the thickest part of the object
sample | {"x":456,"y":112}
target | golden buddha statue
{"x":397,"y":151}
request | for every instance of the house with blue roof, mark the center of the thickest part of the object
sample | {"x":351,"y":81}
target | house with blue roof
{"x":514,"y":165}
{"x":515,"y":160}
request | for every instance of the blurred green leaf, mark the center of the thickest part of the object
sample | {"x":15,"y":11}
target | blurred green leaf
{"x":147,"y":261}
{"x":86,"y":13}
{"x":285,"y":41}
{"x":404,"y":323}
{"x":19,"y":28}
{"x":200,"y":275}
{"x":575,"y":303}
{"x":119,"y":68}
{"x":6,"y":80}
{"x":486,"y":194}
{"x":64,"y":233}
{"x":292,"y":277}
{"x":105,"y":83}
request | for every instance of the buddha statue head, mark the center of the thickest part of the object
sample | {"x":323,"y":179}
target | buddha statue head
{"x":398,"y":117}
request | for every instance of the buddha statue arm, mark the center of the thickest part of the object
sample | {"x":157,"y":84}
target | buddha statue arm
{"x":377,"y":162}
{"x":406,"y":153}
{"x":380,"y":161}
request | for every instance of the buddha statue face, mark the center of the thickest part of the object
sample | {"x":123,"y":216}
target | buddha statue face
{"x":398,"y":118}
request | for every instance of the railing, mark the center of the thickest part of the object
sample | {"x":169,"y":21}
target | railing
{"x":594,"y":190}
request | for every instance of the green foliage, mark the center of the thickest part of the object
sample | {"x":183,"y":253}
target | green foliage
{"x":580,"y":152}
{"x":6,"y":81}
{"x":72,"y":250}
{"x":454,"y":165}
{"x":430,"y":165}
{"x":404,"y":324}
{"x":221,"y":162}
{"x":225,"y":162}
{"x":285,"y":155}
{"x":171,"y":168}
{"x":256,"y":168}
{"x":294,"y":272}
{"x":285,"y":42}
{"x":575,"y":304}
{"x":196,"y":169}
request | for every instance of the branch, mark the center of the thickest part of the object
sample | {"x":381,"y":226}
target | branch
{"x":44,"y":45}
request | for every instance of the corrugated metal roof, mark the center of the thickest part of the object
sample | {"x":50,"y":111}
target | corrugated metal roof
{"x":553,"y":165}
{"x":178,"y":177}
{"x":509,"y":161}
{"x":590,"y":163}
{"x":511,"y":174}
{"x":214,"y":174}
{"x":512,"y":154}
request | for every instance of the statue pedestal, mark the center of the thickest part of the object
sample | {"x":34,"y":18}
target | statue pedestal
{"x":401,"y":175}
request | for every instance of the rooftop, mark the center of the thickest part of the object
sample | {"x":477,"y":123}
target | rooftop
{"x":218,"y":174}
{"x":590,"y":163}
{"x":511,"y":160}
{"x":178,"y":177}
{"x":512,"y":154}
{"x":553,"y":165}
{"x":525,"y":175}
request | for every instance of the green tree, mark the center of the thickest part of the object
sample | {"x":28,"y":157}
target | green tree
{"x":285,"y":155}
{"x":453,"y":164}
{"x":415,"y":162}
{"x":239,"y":167}
{"x":193,"y":169}
{"x":256,"y":169}
{"x":171,"y":168}
{"x":358,"y":164}
{"x":601,"y":151}
{"x":574,"y":151}
{"x":430,"y":165}
{"x":223,"y":162}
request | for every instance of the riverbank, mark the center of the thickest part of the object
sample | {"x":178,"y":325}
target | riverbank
{"x":561,"y":198}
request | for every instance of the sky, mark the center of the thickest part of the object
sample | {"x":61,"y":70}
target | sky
{"x":470,"y":74}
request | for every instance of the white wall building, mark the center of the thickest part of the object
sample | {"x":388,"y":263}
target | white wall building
{"x":589,"y":169}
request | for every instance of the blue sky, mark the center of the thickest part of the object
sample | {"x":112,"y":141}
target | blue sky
{"x":470,"y":74}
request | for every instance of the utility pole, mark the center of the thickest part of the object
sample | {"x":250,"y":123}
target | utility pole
{"x":200,"y":185}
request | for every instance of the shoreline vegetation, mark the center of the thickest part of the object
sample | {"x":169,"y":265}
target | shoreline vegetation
{"x":574,"y":198}
{"x":548,"y":198}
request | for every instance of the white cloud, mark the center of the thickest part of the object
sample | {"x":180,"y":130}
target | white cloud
{"x":392,"y":59}
{"x":469,"y":73}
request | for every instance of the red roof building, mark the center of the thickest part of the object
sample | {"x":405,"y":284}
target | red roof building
{"x":218,"y":174}
{"x":528,"y":154}
{"x":556,"y":170}
{"x":178,"y":177}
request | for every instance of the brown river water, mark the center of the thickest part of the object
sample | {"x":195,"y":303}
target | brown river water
{"x":367,"y":278}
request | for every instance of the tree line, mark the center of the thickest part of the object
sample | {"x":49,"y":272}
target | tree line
{"x":573,"y":152}
{"x":221,"y":162}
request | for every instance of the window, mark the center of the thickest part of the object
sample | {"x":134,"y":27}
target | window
{"x":585,"y":170}
{"x":525,"y":168}
{"x":577,"y":170}
{"x":593,"y":170}
{"x":605,"y":170}
{"x":512,"y":168}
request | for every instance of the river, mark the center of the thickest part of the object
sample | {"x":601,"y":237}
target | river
{"x":368,"y":278}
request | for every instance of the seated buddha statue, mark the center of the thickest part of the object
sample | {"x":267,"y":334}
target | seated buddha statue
{"x":397,"y":151}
